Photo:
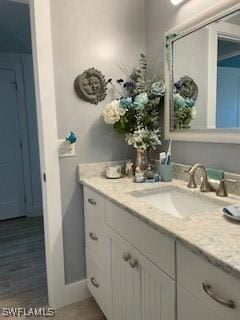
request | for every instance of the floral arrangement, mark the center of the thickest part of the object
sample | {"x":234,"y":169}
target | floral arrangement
{"x":184,"y":99}
{"x":136,"y":112}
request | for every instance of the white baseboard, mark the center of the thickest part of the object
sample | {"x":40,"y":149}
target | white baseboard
{"x":76,"y":292}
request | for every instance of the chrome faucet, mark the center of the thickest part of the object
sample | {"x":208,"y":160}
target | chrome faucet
{"x":205,"y":186}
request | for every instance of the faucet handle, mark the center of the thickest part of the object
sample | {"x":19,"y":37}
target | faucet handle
{"x":230,"y":180}
{"x":191,"y":183}
{"x":222,"y":190}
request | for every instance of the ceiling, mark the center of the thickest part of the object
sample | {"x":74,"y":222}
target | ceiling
{"x":228,"y":48}
{"x":233,"y":62}
{"x":228,"y":53}
{"x":15,"y":32}
{"x":234,"y":18}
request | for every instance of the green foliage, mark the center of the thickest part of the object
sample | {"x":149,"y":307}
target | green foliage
{"x":182,"y":118}
{"x":127,"y":123}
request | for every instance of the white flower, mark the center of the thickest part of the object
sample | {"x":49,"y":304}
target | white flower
{"x":194,"y":112}
{"x":144,"y":138}
{"x":112,"y":112}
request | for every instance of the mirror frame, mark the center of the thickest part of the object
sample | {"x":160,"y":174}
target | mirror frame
{"x":208,"y":16}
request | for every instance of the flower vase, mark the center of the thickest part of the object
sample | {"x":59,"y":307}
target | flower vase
{"x":141,"y":160}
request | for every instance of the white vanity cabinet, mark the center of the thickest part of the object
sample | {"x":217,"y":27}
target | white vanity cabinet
{"x":189,"y":307}
{"x":135,"y":272}
{"x":97,"y":253}
{"x":130,"y":266}
{"x":140,"y":290}
{"x":125,"y":281}
{"x":204,"y":290}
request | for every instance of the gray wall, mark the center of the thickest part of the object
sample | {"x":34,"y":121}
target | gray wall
{"x":103,"y":34}
{"x":161,"y":16}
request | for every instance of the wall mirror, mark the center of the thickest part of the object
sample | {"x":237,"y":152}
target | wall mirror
{"x":202,"y":69}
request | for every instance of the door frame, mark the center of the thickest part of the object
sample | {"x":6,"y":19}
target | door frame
{"x":220,"y":29}
{"x":43,"y":64}
{"x":42,"y":52}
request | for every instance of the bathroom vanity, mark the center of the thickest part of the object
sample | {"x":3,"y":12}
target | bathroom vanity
{"x":144,"y":263}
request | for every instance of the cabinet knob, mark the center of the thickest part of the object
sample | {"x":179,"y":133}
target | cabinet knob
{"x":94,"y":282}
{"x":92,"y":202}
{"x":133,"y":263}
{"x":126,"y":256}
{"x":93,"y":236}
{"x":227,"y":303}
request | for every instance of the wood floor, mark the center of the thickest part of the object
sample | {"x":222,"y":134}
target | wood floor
{"x":23,"y":274}
{"x":22,"y":263}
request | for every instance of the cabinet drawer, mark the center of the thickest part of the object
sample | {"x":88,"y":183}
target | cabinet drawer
{"x":94,"y":206}
{"x":95,"y":225}
{"x":193,"y":273}
{"x":157,"y":247}
{"x":189,"y":307}
{"x":96,"y":281}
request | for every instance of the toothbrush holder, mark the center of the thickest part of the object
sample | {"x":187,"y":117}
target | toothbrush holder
{"x":166,"y":172}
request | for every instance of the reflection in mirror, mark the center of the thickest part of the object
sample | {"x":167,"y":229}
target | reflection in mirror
{"x":228,"y":82}
{"x":206,"y":77}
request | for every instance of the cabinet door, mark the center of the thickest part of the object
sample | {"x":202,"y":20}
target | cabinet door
{"x":157,"y":299}
{"x":125,"y":282}
{"x":190,"y":308}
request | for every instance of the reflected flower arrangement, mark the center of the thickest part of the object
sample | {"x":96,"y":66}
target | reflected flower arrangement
{"x":184,"y":99}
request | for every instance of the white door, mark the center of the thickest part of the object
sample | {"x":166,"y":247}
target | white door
{"x":12,"y":193}
{"x":125,"y":282}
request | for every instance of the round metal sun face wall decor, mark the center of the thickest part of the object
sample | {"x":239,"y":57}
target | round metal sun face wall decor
{"x":91,"y":86}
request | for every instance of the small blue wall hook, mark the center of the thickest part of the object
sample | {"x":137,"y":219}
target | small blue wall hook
{"x":71,"y":138}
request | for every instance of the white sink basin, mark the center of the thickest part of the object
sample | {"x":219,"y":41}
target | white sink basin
{"x":179,"y":202}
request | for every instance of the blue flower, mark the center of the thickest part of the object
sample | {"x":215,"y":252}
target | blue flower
{"x":129,"y":85}
{"x":141,"y":100}
{"x":179,"y":101}
{"x":120,"y":81}
{"x":189,"y":102}
{"x":158,"y":89}
{"x":125,"y":101}
{"x":177,"y":86}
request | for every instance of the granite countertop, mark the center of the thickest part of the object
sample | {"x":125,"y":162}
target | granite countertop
{"x":209,"y":235}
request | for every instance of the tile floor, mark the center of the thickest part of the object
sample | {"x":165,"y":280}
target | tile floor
{"x":84,"y":310}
